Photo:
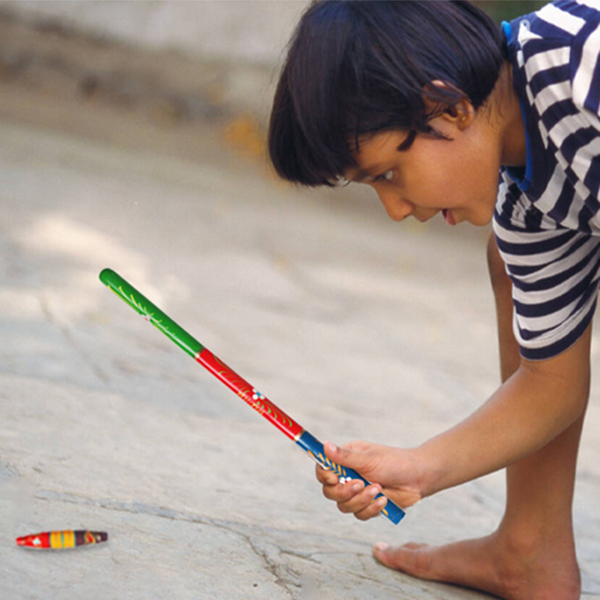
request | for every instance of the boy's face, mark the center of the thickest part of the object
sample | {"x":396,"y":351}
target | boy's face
{"x":457,"y":177}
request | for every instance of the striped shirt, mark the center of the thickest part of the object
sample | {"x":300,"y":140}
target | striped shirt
{"x":547,"y":219}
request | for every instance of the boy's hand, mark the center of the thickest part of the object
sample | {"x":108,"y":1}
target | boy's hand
{"x":393,"y":471}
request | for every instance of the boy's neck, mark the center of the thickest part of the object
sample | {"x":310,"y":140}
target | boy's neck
{"x":507,"y":107}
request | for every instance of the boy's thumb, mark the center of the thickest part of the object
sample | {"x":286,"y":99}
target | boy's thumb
{"x":342,"y":456}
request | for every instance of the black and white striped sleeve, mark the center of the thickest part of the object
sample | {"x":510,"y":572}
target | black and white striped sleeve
{"x":555,"y":284}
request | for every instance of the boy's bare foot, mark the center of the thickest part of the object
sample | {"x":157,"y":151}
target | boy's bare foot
{"x":493,"y":565}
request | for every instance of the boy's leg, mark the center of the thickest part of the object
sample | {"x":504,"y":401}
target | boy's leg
{"x":532,"y":554}
{"x":538,"y":516}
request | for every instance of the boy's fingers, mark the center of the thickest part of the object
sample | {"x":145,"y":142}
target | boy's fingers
{"x":373,"y":510}
{"x":359,"y":501}
{"x":326,"y":477}
{"x":343,"y":492}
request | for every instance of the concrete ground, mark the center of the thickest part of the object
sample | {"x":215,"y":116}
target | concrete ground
{"x":356,"y":326}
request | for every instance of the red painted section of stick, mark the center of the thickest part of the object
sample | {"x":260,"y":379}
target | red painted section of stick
{"x":250,"y":395}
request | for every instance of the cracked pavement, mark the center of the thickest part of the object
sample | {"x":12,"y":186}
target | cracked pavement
{"x":356,"y":326}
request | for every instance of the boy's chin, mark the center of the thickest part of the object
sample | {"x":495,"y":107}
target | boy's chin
{"x":479,"y":220}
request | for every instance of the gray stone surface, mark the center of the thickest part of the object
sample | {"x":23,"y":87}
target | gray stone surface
{"x":356,"y":326}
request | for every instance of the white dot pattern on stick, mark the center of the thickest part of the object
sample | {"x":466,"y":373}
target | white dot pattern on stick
{"x":345,"y":479}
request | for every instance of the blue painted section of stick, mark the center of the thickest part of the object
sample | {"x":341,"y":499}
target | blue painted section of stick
{"x":314,"y":448}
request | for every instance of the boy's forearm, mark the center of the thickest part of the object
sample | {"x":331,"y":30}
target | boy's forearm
{"x":527,"y":411}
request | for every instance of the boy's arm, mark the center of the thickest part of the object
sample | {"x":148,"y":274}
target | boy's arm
{"x":530,"y":409}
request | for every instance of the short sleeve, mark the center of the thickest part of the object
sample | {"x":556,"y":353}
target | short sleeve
{"x":555,"y":285}
{"x":585,"y":68}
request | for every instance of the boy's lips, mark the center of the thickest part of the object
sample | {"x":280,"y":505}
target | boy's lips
{"x":448,"y":217}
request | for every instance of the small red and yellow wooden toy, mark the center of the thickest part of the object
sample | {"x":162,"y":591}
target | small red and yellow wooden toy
{"x":62,"y":539}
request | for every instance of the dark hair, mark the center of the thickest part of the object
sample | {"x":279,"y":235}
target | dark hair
{"x":358,"y":67}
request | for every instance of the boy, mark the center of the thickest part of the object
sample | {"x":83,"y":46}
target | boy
{"x":427,"y":102}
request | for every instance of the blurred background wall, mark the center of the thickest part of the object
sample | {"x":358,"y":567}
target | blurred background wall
{"x":138,"y":50}
{"x":165,"y":63}
{"x":238,"y":30}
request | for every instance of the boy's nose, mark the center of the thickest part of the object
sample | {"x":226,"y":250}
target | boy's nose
{"x":397,"y":208}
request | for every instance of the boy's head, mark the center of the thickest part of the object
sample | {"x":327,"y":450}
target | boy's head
{"x":355,"y":68}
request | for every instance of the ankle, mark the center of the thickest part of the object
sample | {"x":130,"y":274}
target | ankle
{"x":530,"y":540}
{"x":523,"y":543}
{"x":528,"y":554}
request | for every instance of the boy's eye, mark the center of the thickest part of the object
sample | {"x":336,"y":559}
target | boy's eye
{"x":387,"y":176}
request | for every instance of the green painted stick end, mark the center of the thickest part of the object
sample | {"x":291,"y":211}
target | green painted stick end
{"x":150,"y":312}
{"x":107,"y":276}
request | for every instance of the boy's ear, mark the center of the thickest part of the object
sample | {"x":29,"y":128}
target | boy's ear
{"x":460,"y":113}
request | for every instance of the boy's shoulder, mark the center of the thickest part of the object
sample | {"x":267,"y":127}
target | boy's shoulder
{"x":560,"y":42}
{"x":561,"y":22}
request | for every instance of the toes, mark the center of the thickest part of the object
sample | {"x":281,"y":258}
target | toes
{"x":414,"y":546}
{"x":411,"y":558}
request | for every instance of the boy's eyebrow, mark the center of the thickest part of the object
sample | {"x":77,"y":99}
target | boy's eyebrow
{"x":361,"y":174}
{"x":368,"y":172}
